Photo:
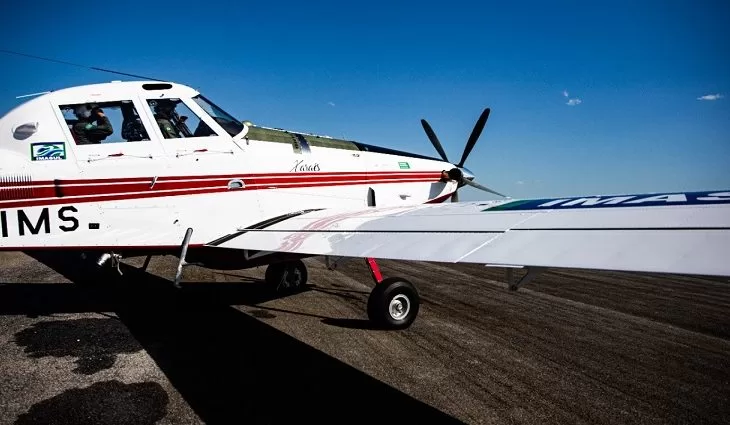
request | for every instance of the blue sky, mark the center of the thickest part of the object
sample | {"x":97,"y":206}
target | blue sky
{"x":369,"y":71}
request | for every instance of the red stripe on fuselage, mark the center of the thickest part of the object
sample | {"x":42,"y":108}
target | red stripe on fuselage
{"x":98,"y":190}
{"x":295,"y":175}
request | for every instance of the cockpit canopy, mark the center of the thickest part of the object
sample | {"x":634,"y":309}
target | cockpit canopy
{"x":230,"y":124}
{"x":177,"y":120}
{"x":112,"y":113}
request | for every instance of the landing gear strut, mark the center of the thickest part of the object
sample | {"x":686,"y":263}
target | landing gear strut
{"x":394,"y":302}
{"x":287,"y":277}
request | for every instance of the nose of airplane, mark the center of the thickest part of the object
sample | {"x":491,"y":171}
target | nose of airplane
{"x":461,"y":173}
{"x":467,"y":173}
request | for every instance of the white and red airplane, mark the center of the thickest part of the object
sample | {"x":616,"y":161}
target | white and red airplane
{"x":177,"y":175}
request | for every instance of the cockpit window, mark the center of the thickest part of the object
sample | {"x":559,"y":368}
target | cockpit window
{"x":231,"y":125}
{"x":106,"y":122}
{"x":176,"y":120}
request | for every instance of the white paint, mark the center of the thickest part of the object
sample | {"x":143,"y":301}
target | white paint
{"x":717,"y":196}
{"x":400,"y":227}
{"x":597,"y":201}
{"x":674,"y":197}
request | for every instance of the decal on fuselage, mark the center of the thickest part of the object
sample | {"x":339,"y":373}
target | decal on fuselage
{"x":404,"y":165}
{"x":646,"y":200}
{"x":47,"y":151}
{"x":21,"y":223}
{"x":301,"y":166}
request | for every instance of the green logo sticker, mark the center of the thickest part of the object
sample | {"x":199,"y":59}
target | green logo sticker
{"x":404,"y":165}
{"x":48,"y":151}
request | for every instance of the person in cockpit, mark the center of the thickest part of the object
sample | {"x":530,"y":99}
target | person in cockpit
{"x":164,"y":110}
{"x":92,"y":126}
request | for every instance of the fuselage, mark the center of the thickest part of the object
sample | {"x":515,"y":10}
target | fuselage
{"x":142,"y":187}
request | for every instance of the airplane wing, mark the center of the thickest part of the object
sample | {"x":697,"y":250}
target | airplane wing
{"x":684,"y":233}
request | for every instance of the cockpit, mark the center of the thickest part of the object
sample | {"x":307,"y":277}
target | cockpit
{"x":120,"y":120}
{"x":176,"y":120}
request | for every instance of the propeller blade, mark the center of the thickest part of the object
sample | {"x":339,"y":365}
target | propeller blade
{"x":478,"y":127}
{"x":434,"y":140}
{"x":480,"y":187}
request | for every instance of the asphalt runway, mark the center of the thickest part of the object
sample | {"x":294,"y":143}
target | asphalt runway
{"x":570,"y":347}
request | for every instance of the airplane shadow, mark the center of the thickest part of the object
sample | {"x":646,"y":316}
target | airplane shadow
{"x":227,"y":365}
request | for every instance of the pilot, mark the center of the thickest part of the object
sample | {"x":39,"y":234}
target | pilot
{"x":164,"y":110}
{"x":92,"y":126}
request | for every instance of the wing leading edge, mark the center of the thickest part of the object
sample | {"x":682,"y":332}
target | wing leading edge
{"x":684,"y":233}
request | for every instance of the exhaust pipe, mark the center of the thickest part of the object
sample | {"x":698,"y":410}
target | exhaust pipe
{"x":103,"y":259}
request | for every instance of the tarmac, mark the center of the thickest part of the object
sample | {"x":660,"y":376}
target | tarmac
{"x":570,"y":347}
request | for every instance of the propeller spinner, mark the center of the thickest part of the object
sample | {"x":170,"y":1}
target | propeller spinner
{"x":460,"y":173}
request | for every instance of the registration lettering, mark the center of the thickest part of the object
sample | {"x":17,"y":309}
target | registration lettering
{"x":22,"y":223}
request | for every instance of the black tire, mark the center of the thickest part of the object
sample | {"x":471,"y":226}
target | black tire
{"x":399,"y":294}
{"x":287,"y":277}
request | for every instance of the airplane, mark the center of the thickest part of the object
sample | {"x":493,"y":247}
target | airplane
{"x":138,"y":168}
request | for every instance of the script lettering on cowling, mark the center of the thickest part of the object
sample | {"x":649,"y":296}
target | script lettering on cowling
{"x":300,"y":165}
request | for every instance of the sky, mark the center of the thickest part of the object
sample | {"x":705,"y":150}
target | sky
{"x":586,"y":98}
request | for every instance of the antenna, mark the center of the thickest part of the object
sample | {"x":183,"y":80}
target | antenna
{"x":93,"y":68}
{"x":32,"y":94}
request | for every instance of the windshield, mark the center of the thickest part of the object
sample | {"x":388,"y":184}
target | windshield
{"x":231,"y":125}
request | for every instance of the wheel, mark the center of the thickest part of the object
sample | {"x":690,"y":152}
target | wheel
{"x":393,"y":303}
{"x":287,"y":277}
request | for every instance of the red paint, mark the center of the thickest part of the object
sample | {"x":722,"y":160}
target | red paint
{"x":226,"y":177}
{"x":440,"y":199}
{"x":80,"y":191}
{"x":83,"y":191}
{"x":374,"y":270}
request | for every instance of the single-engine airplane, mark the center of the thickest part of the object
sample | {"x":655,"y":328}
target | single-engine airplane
{"x":138,"y":168}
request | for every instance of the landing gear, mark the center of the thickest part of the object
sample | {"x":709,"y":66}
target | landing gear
{"x":393,"y":303}
{"x":287,"y":277}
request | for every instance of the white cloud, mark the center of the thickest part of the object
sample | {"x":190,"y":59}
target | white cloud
{"x":331,"y":103}
{"x":519,"y":182}
{"x":571,"y":102}
{"x":711,"y":97}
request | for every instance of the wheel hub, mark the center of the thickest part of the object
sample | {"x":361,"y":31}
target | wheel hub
{"x":399,"y":307}
{"x":291,"y":278}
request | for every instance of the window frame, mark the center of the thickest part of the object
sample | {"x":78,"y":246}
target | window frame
{"x":194,"y":108}
{"x":57,"y":106}
{"x":99,"y":154}
{"x":214,"y":107}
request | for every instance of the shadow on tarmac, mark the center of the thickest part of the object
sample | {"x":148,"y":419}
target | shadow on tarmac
{"x":103,"y":403}
{"x":227,"y":365}
{"x":94,"y":342}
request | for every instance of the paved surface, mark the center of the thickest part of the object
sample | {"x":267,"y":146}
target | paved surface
{"x":571,"y":347}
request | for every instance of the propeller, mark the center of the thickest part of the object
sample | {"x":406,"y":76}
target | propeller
{"x":475,"y":133}
{"x":480,"y":187}
{"x":434,"y":140}
{"x":458,"y":173}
